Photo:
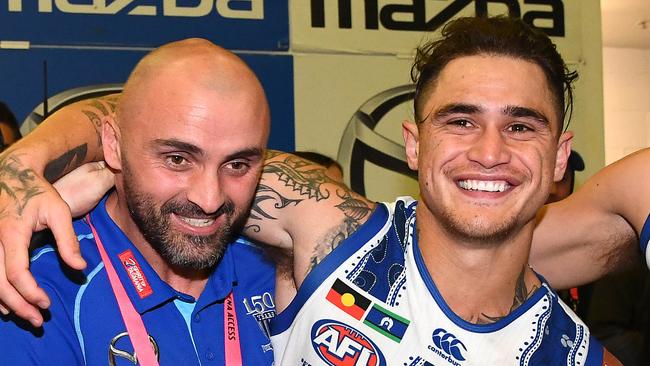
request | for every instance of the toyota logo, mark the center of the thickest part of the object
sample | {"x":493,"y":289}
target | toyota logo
{"x":361,"y":142}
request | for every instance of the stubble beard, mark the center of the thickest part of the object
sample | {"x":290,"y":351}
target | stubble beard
{"x":180,"y":250}
{"x":479,"y":229}
{"x":475,"y":230}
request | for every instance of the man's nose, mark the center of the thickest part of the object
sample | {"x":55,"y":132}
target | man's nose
{"x":206,"y":192}
{"x":489,"y":149}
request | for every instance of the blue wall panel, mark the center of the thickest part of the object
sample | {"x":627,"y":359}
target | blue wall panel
{"x":21,"y":72}
{"x":112,"y":23}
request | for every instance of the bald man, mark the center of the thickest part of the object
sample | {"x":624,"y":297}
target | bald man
{"x":166,"y":231}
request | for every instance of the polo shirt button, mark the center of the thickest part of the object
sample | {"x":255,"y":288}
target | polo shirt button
{"x":209,"y":355}
{"x":197,"y":318}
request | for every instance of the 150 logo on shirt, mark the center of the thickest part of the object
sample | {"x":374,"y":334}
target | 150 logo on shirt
{"x":259,"y":303}
{"x":262,"y":308}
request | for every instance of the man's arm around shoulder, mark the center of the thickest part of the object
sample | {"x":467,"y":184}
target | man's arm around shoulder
{"x":298,"y":207}
{"x":65,"y":140}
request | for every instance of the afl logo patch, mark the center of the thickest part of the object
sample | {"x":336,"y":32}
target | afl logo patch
{"x":339,"y":344}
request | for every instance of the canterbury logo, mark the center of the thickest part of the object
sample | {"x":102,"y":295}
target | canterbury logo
{"x":449,"y":344}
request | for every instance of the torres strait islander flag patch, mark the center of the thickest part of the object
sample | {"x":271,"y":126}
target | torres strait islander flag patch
{"x":347,"y":299}
{"x":387,"y":323}
{"x":134,"y":271}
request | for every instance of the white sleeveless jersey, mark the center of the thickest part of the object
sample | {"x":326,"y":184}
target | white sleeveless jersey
{"x":644,"y":240}
{"x":372,"y":302}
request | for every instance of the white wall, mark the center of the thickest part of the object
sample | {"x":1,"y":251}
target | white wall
{"x":587,"y":120}
{"x":338,"y":69}
{"x":626,"y":80}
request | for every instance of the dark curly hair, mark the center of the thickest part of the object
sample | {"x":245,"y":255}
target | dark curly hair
{"x":493,"y":36}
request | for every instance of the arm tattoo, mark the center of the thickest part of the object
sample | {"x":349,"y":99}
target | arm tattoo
{"x":301,"y":176}
{"x":71,"y":159}
{"x":309,"y":181}
{"x":270,"y":154}
{"x":18,"y":183}
{"x":96,"y":119}
{"x":355,"y":210}
{"x":97,"y":104}
{"x":111,"y":101}
{"x":331,"y":240}
{"x":265,"y":193}
{"x":522,"y":293}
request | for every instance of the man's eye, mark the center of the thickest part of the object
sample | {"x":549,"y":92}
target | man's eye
{"x":460,"y":123}
{"x":519,"y":128}
{"x":237,"y":167}
{"x":176,"y":160}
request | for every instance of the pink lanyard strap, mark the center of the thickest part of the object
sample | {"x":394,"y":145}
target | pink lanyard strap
{"x":134,"y":325}
{"x":138,"y":333}
{"x":231,"y":332}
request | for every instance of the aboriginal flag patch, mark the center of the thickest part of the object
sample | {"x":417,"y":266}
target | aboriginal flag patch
{"x":347,"y":299}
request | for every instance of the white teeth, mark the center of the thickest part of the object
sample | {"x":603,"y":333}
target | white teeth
{"x":197,"y":222}
{"x":484,"y":185}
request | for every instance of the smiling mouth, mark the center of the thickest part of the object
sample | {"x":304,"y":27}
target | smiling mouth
{"x":484,"y":185}
{"x":197,"y":222}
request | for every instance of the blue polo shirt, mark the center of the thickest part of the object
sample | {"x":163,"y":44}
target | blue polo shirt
{"x":84,"y":319}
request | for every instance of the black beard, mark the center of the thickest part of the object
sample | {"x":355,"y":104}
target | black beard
{"x":183,"y":251}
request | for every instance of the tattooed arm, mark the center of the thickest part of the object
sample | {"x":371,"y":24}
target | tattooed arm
{"x":297,"y":207}
{"x":302,"y":212}
{"x":29,"y":203}
{"x":300,"y":208}
{"x":81,"y":142}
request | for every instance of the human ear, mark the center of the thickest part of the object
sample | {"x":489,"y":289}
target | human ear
{"x":562,"y":155}
{"x":411,"y":136}
{"x":111,"y":144}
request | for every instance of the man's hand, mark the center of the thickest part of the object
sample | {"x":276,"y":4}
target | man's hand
{"x":29,"y":203}
{"x":85,"y":186}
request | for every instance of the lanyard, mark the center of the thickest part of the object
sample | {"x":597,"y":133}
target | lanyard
{"x":231,"y":332}
{"x":132,"y":320}
{"x":138,"y":333}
